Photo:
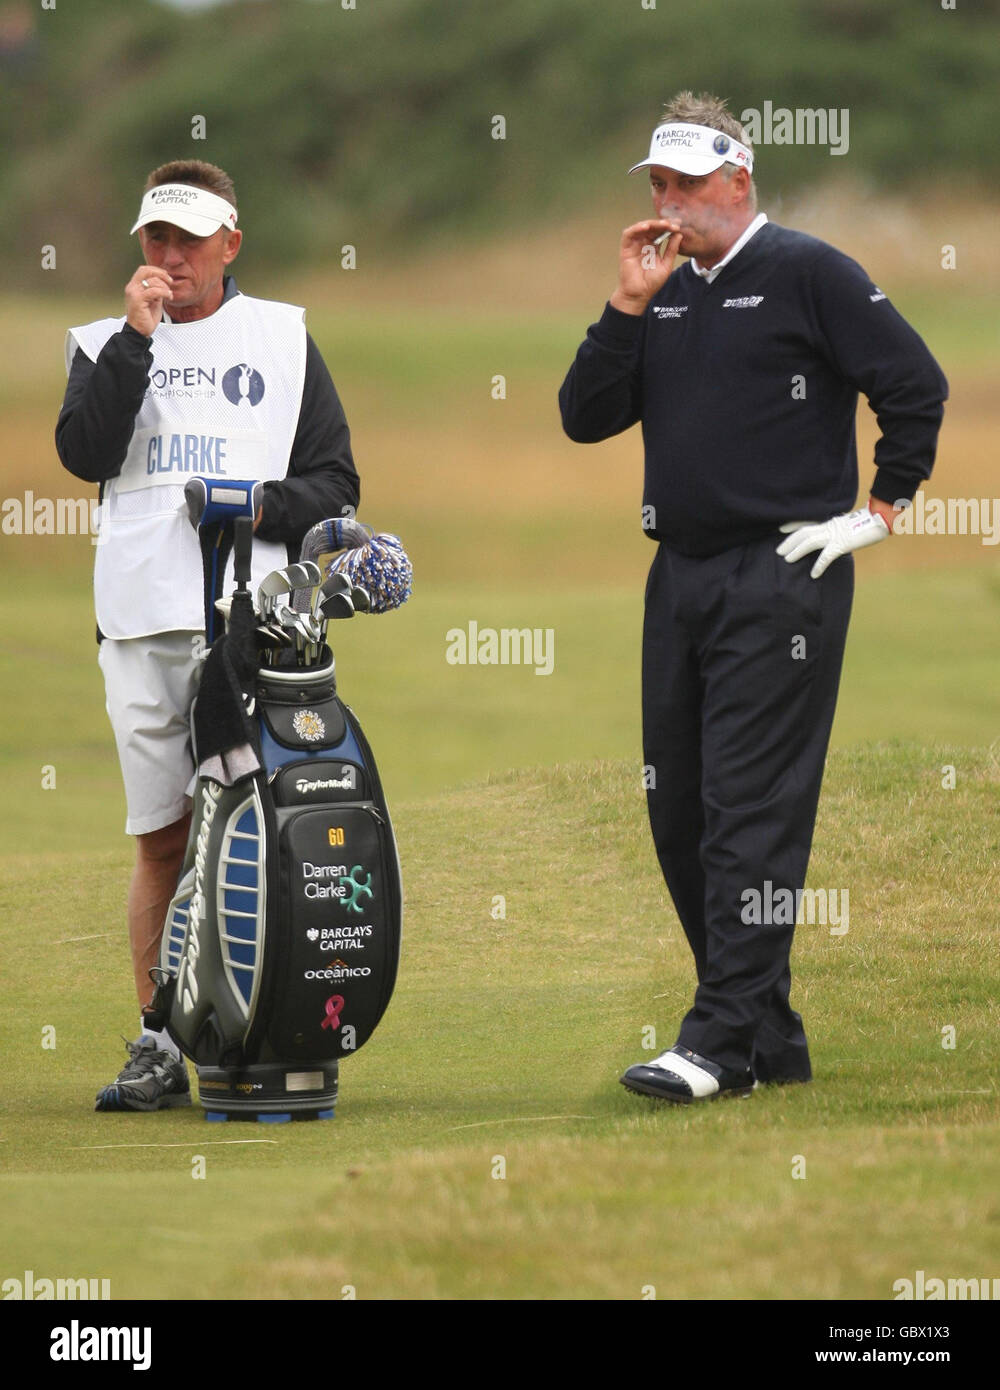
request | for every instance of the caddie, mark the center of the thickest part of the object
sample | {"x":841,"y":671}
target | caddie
{"x":196,"y":379}
{"x":743,"y":365}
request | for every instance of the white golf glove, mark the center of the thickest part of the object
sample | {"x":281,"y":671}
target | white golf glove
{"x":833,"y":538}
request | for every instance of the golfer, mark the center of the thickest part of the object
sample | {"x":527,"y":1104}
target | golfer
{"x":743,"y":366}
{"x":195,"y":379}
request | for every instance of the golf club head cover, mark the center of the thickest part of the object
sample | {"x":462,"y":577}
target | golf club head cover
{"x":382,"y":567}
{"x":336,"y":533}
{"x":376,"y":563}
{"x":213,"y":501}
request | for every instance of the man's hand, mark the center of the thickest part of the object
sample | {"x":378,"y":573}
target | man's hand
{"x":833,"y":538}
{"x":144,"y":296}
{"x":643,"y":267}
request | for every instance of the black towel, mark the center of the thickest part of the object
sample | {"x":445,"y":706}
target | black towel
{"x":222,"y":725}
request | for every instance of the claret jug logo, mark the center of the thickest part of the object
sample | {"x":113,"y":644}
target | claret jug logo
{"x":242,"y":383}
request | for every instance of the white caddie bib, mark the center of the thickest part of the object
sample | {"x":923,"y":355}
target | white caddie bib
{"x":223,"y":402}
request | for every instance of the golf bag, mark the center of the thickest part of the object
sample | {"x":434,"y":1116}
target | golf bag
{"x":281,"y":944}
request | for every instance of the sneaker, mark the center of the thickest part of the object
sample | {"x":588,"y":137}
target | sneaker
{"x":150,"y":1080}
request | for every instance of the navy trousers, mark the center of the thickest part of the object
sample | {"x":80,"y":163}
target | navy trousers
{"x":742,"y":655}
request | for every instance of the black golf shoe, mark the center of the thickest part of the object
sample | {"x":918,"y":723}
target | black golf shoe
{"x":151,"y":1080}
{"x":681,"y":1075}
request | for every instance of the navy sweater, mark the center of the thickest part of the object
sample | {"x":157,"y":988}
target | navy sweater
{"x":747,"y":391}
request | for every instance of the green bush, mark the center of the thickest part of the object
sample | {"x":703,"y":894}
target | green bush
{"x":374,"y":123}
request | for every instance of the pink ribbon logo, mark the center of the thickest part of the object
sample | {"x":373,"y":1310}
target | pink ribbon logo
{"x":333,"y":1007}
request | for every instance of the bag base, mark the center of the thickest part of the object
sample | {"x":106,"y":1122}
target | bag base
{"x":269,"y":1090}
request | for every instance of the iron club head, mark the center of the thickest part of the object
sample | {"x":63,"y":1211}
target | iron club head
{"x":336,"y":606}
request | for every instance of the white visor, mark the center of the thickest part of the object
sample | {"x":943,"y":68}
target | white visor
{"x":694,"y":149}
{"x":194,"y":209}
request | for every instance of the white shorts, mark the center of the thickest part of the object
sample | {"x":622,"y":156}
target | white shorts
{"x":150,"y":683}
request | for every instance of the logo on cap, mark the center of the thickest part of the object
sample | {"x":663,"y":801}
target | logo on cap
{"x":673,"y":136}
{"x":172,"y":195}
{"x":720,"y":144}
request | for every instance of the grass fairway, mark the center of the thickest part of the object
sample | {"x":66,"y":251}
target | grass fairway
{"x":500,"y":1055}
{"x":921,"y":658}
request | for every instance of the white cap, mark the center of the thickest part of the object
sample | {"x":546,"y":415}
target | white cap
{"x":194,"y":209}
{"x":694,"y":149}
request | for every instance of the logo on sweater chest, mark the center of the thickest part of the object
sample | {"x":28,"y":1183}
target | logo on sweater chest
{"x":747,"y":301}
{"x":670,"y":311}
